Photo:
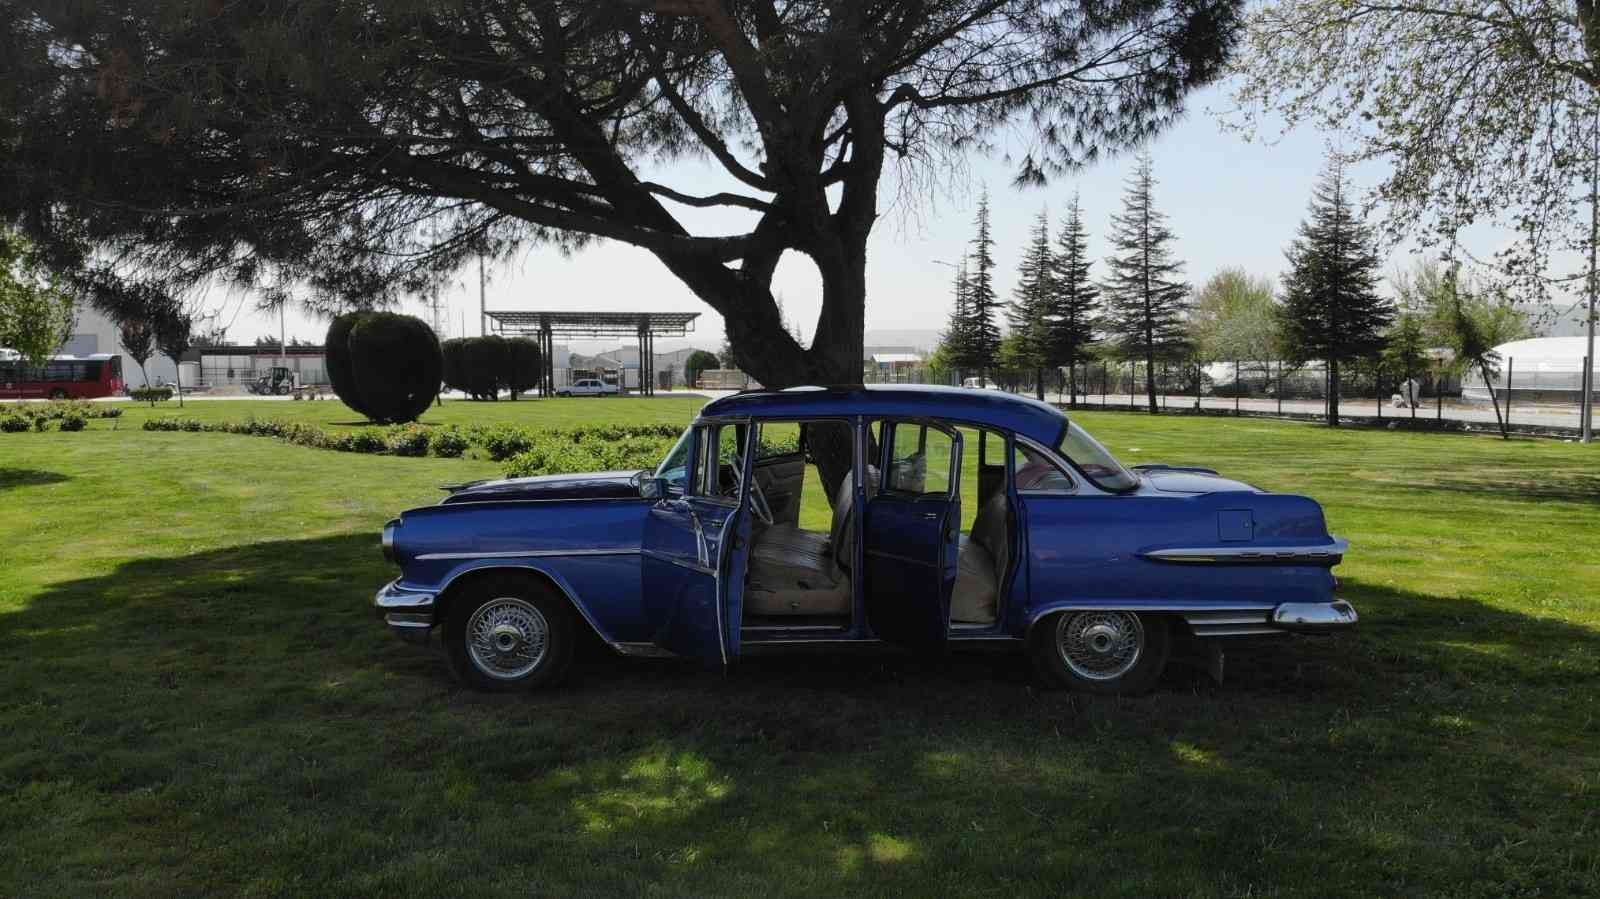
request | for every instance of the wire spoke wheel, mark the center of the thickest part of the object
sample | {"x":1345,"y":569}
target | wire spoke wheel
{"x":507,"y":638}
{"x":1100,"y":646}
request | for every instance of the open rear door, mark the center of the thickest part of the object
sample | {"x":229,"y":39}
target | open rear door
{"x":696,"y":548}
{"x":912,"y":535}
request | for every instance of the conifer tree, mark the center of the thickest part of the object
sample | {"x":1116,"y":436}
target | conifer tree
{"x":983,"y":332}
{"x":1331,"y":307}
{"x":1028,"y":312}
{"x":1074,"y":300}
{"x":955,"y":343}
{"x":1146,"y":300}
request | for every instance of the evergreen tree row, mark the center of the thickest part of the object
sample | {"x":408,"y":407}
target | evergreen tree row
{"x":1329,"y":310}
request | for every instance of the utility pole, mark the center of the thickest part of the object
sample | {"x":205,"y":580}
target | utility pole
{"x":1586,"y":380}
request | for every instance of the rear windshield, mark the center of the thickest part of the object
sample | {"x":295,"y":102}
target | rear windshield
{"x":1095,"y":461}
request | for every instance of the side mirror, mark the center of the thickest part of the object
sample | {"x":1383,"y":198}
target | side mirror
{"x":652,"y":488}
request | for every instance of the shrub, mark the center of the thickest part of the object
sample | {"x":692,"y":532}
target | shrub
{"x":341,"y":370}
{"x":72,"y":422}
{"x":485,"y":362}
{"x":41,"y":423}
{"x":450,"y":443}
{"x":151,"y":395}
{"x":452,"y":358}
{"x":12,"y":424}
{"x":523,"y":365}
{"x":408,"y":440}
{"x":396,"y":362}
{"x":367,"y":441}
{"x":503,"y":443}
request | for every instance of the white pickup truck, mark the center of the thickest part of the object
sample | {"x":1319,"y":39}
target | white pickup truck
{"x":588,"y":387}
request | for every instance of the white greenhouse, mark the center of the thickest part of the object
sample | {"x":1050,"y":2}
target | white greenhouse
{"x":1538,"y":370}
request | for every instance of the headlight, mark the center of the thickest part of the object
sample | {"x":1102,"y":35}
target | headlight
{"x":388,"y":539}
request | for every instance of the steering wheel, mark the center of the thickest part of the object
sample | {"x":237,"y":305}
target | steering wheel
{"x":759,"y":504}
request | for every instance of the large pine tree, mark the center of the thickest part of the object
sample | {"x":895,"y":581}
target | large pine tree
{"x":1074,"y":300}
{"x":983,"y":332}
{"x":1146,"y":299}
{"x":1331,"y":307}
{"x":1028,"y":313}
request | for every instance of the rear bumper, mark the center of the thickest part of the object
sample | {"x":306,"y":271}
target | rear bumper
{"x":1315,"y":617}
{"x":408,"y":613}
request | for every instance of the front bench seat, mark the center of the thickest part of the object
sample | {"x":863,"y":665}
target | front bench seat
{"x":797,"y":572}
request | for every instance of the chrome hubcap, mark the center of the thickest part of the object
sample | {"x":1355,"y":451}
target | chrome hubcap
{"x":1100,"y":646}
{"x":507,"y":638}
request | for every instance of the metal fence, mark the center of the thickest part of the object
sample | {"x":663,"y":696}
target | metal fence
{"x":1529,"y":402}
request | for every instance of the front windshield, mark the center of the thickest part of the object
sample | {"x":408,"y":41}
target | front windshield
{"x":675,"y":467}
{"x":1095,"y":461}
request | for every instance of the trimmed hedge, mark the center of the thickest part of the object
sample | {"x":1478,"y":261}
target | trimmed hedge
{"x":385,"y":366}
{"x":593,"y":448}
{"x":481,"y":367}
{"x":67,"y":415}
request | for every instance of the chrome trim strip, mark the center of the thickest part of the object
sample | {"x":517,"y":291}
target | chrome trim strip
{"x":527,"y":554}
{"x":408,"y":619}
{"x":393,"y":598}
{"x":642,"y":650}
{"x":1327,"y":552}
{"x":681,"y":563}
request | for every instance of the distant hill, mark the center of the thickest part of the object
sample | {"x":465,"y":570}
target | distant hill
{"x":921,"y":339}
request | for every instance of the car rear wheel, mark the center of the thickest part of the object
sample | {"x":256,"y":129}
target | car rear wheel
{"x":507,"y":633}
{"x":1106,"y":652}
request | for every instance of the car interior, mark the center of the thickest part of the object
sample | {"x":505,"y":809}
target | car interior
{"x":800,"y":571}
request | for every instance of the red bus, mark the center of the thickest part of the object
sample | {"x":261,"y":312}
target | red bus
{"x":63,"y":377}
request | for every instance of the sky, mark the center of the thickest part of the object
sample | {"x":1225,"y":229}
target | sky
{"x":1230,"y":201}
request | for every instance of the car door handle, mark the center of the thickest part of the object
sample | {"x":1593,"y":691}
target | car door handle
{"x":930,"y":516}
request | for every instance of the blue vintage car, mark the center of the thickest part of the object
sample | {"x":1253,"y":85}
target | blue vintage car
{"x":959,"y":517}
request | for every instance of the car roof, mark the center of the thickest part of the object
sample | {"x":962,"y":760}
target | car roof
{"x":1026,"y":416}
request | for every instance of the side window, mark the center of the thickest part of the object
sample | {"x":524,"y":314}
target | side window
{"x":1037,"y":473}
{"x":717,"y":471}
{"x":778,"y":438}
{"x":920,"y":461}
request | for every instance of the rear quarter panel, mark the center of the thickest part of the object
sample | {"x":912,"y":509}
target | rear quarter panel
{"x":1086,"y":550}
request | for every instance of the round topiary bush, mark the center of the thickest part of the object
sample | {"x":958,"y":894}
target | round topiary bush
{"x":485,"y":362}
{"x":523,"y":365}
{"x":384,"y":365}
{"x":341,"y":369}
{"x":454,"y":373}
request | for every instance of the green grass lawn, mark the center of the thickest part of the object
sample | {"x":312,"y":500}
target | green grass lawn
{"x":197,"y":700}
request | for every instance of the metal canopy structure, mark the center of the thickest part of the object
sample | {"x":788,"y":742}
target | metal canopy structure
{"x":546,"y":326}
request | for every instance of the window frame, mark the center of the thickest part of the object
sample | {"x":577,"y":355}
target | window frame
{"x":886,"y":452}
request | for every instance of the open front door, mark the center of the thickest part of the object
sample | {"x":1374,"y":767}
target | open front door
{"x":696,"y":549}
{"x":912,"y":532}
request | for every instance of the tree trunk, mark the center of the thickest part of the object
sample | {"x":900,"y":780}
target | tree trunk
{"x":177,"y":378}
{"x":1150,"y":378}
{"x":1038,"y":383}
{"x":1484,"y":370}
{"x":1333,"y":393}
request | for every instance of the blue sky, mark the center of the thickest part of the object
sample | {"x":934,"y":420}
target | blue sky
{"x":1230,"y":202}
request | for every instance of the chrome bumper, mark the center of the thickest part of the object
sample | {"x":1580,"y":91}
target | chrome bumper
{"x":409,"y":613}
{"x":1315,"y":617}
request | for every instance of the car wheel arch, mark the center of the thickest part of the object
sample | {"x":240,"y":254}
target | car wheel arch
{"x":462,"y":581}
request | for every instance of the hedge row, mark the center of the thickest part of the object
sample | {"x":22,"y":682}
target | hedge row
{"x":59,"y":409}
{"x":60,"y":416}
{"x":595,"y":448}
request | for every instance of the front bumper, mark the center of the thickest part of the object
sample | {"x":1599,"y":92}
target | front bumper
{"x":409,"y":613}
{"x":1315,"y":617}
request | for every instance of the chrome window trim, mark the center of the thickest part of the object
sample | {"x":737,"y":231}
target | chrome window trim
{"x":1079,"y":482}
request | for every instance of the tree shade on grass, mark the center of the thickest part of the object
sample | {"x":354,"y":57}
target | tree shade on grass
{"x":220,"y":686}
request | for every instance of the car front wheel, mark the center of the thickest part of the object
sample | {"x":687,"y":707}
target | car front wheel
{"x":1106,"y":652}
{"x":508,"y":633}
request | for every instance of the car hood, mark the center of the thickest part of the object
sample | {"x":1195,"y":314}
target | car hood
{"x":1168,"y":479}
{"x":589,"y":485}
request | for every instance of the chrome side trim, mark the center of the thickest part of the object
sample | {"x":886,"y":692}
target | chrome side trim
{"x":642,"y":650}
{"x":1327,"y":553}
{"x":395,"y":598}
{"x":680,"y":562}
{"x":526,"y":554}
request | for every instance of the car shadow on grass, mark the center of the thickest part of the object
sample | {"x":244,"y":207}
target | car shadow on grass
{"x":245,"y":704}
{"x":12,"y":478}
